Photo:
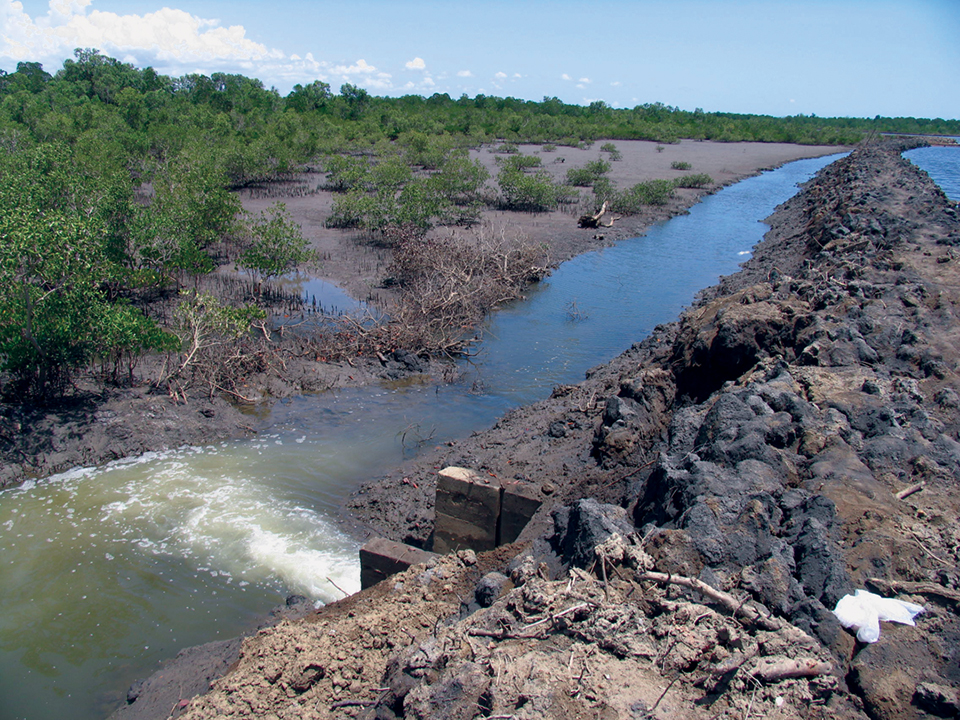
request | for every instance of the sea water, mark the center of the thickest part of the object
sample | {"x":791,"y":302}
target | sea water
{"x":942,"y":164}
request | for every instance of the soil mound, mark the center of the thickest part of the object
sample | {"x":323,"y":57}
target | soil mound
{"x":710,"y":495}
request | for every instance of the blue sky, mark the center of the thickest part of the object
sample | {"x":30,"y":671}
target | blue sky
{"x":780,"y":57}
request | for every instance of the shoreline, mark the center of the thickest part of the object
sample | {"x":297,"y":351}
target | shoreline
{"x":95,"y":427}
{"x":795,"y":410}
{"x":346,"y":519}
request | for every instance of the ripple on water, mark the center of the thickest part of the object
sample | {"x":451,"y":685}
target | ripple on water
{"x":942,"y":164}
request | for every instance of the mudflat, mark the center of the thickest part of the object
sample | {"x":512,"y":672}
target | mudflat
{"x":95,"y":424}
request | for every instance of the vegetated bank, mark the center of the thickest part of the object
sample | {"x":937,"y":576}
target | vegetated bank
{"x":120,"y":220}
{"x":768,"y":445}
{"x":96,"y":390}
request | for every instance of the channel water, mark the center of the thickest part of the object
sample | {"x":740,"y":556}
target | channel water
{"x":942,"y":164}
{"x":106,"y":571}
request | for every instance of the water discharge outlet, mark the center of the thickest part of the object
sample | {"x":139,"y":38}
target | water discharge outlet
{"x":480,"y":512}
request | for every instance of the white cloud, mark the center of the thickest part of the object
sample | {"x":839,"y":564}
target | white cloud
{"x":68,"y":7}
{"x":616,"y":83}
{"x":565,"y":77}
{"x":500,"y":75}
{"x":464,"y":73}
{"x":417,"y":64}
{"x":173,"y":37}
{"x":585,"y":81}
{"x":360,"y":67}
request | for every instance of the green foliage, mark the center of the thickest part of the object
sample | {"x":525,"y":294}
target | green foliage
{"x":390,"y":175}
{"x":200,"y":315}
{"x":459,"y":179}
{"x":603,"y":190}
{"x":425,"y":151}
{"x":680,"y":165}
{"x":310,"y":98}
{"x":649,"y":192}
{"x":191,"y":210}
{"x":55,"y":315}
{"x":124,"y":335}
{"x":205,"y":328}
{"x":588,"y":174}
{"x":519,"y":162}
{"x":531,"y":192}
{"x":113,"y":177}
{"x":354,"y":209}
{"x":694,"y":181}
{"x":355,"y":99}
{"x":277,"y":246}
{"x":388,"y":194}
{"x":345,"y":172}
{"x":609,"y":147}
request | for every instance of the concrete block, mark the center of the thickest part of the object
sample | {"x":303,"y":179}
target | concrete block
{"x":518,"y":504}
{"x":380,"y":558}
{"x":468,"y":507}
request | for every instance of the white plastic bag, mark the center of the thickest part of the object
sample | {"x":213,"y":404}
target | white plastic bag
{"x":863,"y":612}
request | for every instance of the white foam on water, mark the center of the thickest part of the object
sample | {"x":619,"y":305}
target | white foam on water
{"x":210,"y":507}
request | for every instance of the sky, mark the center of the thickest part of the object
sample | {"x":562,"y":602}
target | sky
{"x":832,"y":58}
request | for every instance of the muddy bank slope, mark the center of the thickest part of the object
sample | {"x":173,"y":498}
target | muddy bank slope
{"x":96,"y":423}
{"x":710,"y":495}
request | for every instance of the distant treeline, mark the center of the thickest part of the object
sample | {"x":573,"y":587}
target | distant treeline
{"x":114,"y":186}
{"x":97,"y":103}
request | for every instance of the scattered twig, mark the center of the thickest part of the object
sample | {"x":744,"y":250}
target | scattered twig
{"x":569,"y":610}
{"x":330,"y":580}
{"x":907,"y":492}
{"x":915,"y":588}
{"x":770,"y":670}
{"x":928,"y":551}
{"x":664,"y":693}
{"x":727,"y":601}
{"x":606,"y":585}
{"x":353,"y":703}
{"x":629,"y":474}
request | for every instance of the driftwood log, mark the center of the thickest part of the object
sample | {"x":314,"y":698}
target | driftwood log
{"x":594,"y":221}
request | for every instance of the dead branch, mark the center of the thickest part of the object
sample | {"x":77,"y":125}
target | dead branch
{"x":554,"y":616}
{"x":353,"y":703}
{"x":749,"y":613}
{"x":907,"y":492}
{"x":889,"y":587}
{"x":593,"y":221}
{"x":773,"y":670}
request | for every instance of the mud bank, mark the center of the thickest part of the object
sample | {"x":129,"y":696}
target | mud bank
{"x":710,"y":494}
{"x":96,"y":424}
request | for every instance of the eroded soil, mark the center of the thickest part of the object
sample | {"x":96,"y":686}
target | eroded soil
{"x":765,"y":445}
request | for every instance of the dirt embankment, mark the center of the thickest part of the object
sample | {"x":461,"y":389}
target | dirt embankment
{"x":765,"y":444}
